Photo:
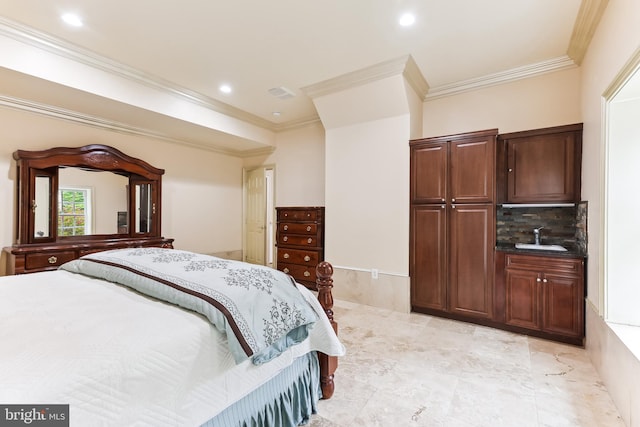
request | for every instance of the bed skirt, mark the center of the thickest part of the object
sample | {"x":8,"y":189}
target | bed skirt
{"x":287,"y":400}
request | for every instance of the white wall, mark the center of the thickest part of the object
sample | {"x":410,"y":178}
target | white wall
{"x":551,"y":99}
{"x":615,"y":42}
{"x":367,"y":184}
{"x":299,"y":161}
{"x":202,"y":190}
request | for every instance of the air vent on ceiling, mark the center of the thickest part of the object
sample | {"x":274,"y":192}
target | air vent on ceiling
{"x":282,"y":92}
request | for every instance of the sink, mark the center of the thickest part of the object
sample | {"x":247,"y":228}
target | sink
{"x":540,"y":247}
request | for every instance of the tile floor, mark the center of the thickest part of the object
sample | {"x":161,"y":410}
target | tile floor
{"x":419,"y":370}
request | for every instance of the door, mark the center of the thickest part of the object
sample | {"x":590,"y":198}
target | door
{"x":471,"y":169}
{"x":255,"y":213}
{"x":429,"y":257}
{"x":522,"y":298}
{"x":429,"y":173}
{"x":542,"y":168}
{"x":471,"y":259}
{"x":563,"y":303}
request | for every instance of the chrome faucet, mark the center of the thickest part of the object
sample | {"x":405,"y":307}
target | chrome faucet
{"x":536,"y":235}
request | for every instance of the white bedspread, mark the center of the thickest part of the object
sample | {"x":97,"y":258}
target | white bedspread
{"x":120,"y":358}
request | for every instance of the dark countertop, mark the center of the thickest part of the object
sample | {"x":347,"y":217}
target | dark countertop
{"x":572,"y":251}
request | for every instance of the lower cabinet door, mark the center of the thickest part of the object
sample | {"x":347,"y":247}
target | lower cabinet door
{"x":522,"y":299}
{"x":429,"y":257}
{"x":563,"y":305}
{"x":471,"y":259}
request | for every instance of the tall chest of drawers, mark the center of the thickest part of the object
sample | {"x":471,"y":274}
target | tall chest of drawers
{"x":300,"y":242}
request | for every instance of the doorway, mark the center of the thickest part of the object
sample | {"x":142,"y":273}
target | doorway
{"x":259,"y":208}
{"x":622,"y":233}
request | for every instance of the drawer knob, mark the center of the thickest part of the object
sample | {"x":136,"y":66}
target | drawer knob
{"x":52,"y":260}
{"x":285,"y":270}
{"x":286,"y":256}
{"x":308,"y":228}
{"x":309,"y":240}
{"x":285,"y":238}
{"x":307,"y":258}
{"x":286,"y":227}
{"x":286,"y":214}
{"x":544,"y":280}
{"x":538,"y":280}
{"x":307,"y":274}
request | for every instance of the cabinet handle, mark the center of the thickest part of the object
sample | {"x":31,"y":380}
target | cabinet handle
{"x":285,"y":238}
{"x":544,"y":280}
{"x":309,"y":240}
{"x":52,"y":260}
{"x":538,"y":280}
{"x":285,"y":270}
{"x":453,"y":206}
{"x":308,"y":228}
{"x":442,"y":206}
{"x":443,"y":199}
{"x":307,"y":258}
{"x":307,"y":274}
{"x":510,"y":170}
{"x":286,"y":256}
{"x":286,"y":227}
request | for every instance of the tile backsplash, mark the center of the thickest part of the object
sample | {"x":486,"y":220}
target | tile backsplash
{"x":566,"y":226}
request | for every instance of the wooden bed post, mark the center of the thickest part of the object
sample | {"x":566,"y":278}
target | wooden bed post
{"x":328,"y":364}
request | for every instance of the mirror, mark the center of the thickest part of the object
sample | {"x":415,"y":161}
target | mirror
{"x":144,"y":208}
{"x":40,"y":206}
{"x":91,"y":202}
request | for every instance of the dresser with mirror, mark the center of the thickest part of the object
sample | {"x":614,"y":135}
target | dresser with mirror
{"x":76,"y":201}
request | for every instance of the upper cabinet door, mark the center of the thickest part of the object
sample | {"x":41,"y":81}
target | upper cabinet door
{"x":544,"y":165}
{"x":429,"y":172}
{"x":454,"y":168}
{"x":472,"y":166}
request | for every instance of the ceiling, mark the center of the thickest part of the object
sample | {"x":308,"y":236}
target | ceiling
{"x":194,"y":46}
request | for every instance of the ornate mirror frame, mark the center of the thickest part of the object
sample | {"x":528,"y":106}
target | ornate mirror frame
{"x":40,"y":248}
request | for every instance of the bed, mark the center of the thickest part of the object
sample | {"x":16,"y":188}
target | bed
{"x":139,"y":337}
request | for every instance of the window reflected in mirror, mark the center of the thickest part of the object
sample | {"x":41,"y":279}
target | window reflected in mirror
{"x":74,"y":212}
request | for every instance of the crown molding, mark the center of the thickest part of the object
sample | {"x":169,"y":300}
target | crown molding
{"x":527,"y":71}
{"x":404,"y":65}
{"x":297,"y":124}
{"x":587,"y":21}
{"x":113,"y":126}
{"x":71,"y":51}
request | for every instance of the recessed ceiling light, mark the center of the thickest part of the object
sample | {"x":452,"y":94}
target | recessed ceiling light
{"x":72,"y":19}
{"x":407,"y":19}
{"x":225,"y":88}
{"x":277,"y":113}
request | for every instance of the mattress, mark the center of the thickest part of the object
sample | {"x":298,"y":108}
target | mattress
{"x":120,"y":358}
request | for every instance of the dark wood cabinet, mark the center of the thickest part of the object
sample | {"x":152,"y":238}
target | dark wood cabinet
{"x":453,"y":224}
{"x":545,"y":294}
{"x":471,"y":243}
{"x":540,"y":166}
{"x":300,"y":242}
